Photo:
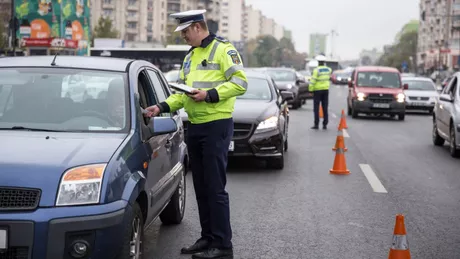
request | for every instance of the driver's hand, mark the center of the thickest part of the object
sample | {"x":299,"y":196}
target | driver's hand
{"x":151,"y":111}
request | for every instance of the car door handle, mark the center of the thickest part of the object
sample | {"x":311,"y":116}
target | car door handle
{"x":168,"y":143}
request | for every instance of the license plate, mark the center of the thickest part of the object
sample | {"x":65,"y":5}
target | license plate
{"x":3,"y":239}
{"x":418,"y":104}
{"x":232,"y":146}
{"x":381,"y":105}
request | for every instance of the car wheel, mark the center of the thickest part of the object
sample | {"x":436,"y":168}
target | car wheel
{"x":437,"y":139}
{"x":354,"y":112}
{"x":454,"y":151}
{"x":174,"y":211}
{"x":349,"y":111}
{"x":286,"y":143}
{"x":401,"y":116}
{"x":133,"y":235}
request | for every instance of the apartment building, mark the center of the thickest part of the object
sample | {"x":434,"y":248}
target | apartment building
{"x":231,"y":19}
{"x":254,"y":23}
{"x":268,"y":26}
{"x":278,"y":31}
{"x":435,"y":47}
{"x":5,"y":14}
{"x":136,"y":20}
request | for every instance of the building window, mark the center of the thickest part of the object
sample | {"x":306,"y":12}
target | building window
{"x":107,"y":12}
{"x":149,"y":38}
{"x":131,"y":14}
{"x":132,"y":2}
{"x":107,"y":1}
{"x":132,"y":25}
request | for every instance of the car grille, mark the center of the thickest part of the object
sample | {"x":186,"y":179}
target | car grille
{"x":240,"y":130}
{"x":419,"y":98}
{"x":381,"y":98}
{"x":15,"y":253}
{"x":19,"y":198}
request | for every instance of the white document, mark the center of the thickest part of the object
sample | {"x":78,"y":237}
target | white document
{"x":181,"y":87}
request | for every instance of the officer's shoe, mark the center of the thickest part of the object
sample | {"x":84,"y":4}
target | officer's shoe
{"x":315,"y":127}
{"x":324,"y":127}
{"x":213,"y":253}
{"x":201,"y":245}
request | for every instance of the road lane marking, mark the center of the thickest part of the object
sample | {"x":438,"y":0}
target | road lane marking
{"x":333,"y":115}
{"x":345,"y":133}
{"x":372,"y":178}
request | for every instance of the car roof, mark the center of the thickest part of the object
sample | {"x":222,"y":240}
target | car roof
{"x":79,"y":62}
{"x":256,"y":74}
{"x":277,"y":68}
{"x":376,"y":69}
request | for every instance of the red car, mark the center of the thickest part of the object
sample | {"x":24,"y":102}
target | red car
{"x":376,"y":90}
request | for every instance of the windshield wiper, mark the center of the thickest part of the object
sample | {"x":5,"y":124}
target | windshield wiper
{"x":30,"y":129}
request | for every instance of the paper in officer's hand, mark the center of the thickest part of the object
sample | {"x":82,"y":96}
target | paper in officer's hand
{"x":181,"y":88}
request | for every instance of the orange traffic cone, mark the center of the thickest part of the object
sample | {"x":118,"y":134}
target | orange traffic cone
{"x":340,"y":165}
{"x":321,"y":114}
{"x":343,"y":122}
{"x":400,"y":247}
{"x":340,"y":141}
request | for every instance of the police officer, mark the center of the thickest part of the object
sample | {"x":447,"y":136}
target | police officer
{"x":319,"y":85}
{"x":213,"y":67}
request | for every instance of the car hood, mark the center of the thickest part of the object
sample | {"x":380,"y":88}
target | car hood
{"x":419,"y":93}
{"x":376,"y":90}
{"x":283,"y":85}
{"x":38,"y":159}
{"x":247,"y":111}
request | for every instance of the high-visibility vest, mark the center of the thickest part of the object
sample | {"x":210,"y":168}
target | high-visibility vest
{"x":217,"y":66}
{"x":320,"y":79}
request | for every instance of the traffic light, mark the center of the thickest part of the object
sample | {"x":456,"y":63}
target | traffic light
{"x":423,"y":16}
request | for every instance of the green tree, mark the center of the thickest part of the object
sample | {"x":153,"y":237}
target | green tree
{"x":3,"y":40}
{"x":268,"y":51}
{"x":104,"y":29}
{"x":403,"y":51}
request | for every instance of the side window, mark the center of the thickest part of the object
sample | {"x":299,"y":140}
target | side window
{"x":146,"y":95}
{"x":453,"y":88}
{"x":450,"y":88}
{"x":277,"y":91}
{"x":159,"y":87}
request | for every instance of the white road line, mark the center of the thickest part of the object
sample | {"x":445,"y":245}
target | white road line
{"x":333,"y":115}
{"x":372,"y":178}
{"x":345,"y":133}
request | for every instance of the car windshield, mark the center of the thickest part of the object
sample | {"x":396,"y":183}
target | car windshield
{"x":172,"y":76}
{"x":282,"y":75}
{"x":379,"y":79}
{"x":305,"y":73}
{"x":343,"y":75}
{"x":258,"y":89}
{"x":420,"y":85}
{"x":52,"y":99}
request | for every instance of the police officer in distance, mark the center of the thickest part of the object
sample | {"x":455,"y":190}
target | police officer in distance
{"x":319,"y":85}
{"x":214,"y":68}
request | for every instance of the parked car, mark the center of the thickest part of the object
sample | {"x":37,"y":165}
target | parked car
{"x":446,"y":117}
{"x":261,"y":121}
{"x":340,"y":77}
{"x":376,"y":91}
{"x":421,"y":93}
{"x":172,"y":76}
{"x":286,"y":79}
{"x":83,"y":179}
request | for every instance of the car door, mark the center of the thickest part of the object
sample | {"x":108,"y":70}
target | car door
{"x":157,"y":150}
{"x":283,"y":110}
{"x":446,"y":108}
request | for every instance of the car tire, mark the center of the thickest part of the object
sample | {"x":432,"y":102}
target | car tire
{"x":286,"y":146}
{"x":437,"y":139}
{"x":354,"y":112}
{"x":401,"y":116}
{"x":175,"y":210}
{"x":454,"y":151}
{"x":349,"y":111}
{"x":133,"y":234}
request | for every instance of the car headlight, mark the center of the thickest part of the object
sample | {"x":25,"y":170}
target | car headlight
{"x":339,"y":78}
{"x":267,"y":125}
{"x":361,"y":96}
{"x":288,"y":86}
{"x":81,"y":185}
{"x":400,"y":97}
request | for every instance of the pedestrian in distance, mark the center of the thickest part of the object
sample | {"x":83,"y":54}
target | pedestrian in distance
{"x":213,"y":68}
{"x":319,"y":85}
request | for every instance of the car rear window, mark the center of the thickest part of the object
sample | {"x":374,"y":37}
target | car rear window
{"x":378,"y":79}
{"x":420,"y":85}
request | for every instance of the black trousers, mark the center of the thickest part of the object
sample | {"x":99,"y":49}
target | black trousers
{"x":321,"y":96}
{"x":208,"y":145}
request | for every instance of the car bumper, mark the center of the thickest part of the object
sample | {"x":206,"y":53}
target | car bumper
{"x":51,"y":232}
{"x":262,"y":145}
{"x":372,"y":107}
{"x":420,"y":105}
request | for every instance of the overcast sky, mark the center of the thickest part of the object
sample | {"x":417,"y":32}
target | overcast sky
{"x":361,"y":24}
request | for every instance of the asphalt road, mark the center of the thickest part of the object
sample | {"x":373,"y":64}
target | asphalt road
{"x":305,"y":212}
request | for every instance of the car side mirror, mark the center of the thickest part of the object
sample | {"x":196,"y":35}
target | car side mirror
{"x":406,"y":86}
{"x":446,"y":98}
{"x":300,"y":81}
{"x":350,"y":84}
{"x":162,"y":125}
{"x":287,"y":96}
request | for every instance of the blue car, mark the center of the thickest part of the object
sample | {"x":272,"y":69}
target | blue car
{"x":82,"y":171}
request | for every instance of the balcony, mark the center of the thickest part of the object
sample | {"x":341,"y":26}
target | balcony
{"x":134,"y":18}
{"x":456,"y":24}
{"x":132,"y":30}
{"x":133,"y":8}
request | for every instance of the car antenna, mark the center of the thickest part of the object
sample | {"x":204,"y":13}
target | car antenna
{"x":53,"y":63}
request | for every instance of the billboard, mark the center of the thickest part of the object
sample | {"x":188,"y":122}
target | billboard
{"x":48,"y":19}
{"x":317,"y":44}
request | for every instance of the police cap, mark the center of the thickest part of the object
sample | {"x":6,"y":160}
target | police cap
{"x":185,"y":19}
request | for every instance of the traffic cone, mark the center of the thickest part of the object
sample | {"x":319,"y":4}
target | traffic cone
{"x":340,"y":165}
{"x":340,"y":141}
{"x":343,"y":122}
{"x":400,"y":247}
{"x":321,"y":114}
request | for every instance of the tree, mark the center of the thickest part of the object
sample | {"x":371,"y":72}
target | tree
{"x":267,"y":52}
{"x":3,"y":41}
{"x":403,"y":51}
{"x":105,"y":29}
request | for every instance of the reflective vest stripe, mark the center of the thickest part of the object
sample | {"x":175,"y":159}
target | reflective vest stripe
{"x":213,"y":51}
{"x":187,"y":68}
{"x":239,"y":82}
{"x":206,"y":84}
{"x":232,"y":70}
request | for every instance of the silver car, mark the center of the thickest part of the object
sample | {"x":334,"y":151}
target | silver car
{"x":446,"y":117}
{"x":421,"y":93}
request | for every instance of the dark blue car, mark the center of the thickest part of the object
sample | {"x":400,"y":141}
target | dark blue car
{"x":82,"y":171}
